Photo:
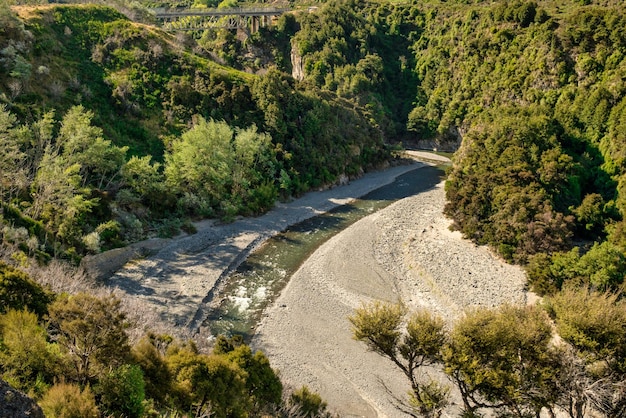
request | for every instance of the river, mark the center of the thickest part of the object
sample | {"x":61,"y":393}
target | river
{"x":239,"y":303}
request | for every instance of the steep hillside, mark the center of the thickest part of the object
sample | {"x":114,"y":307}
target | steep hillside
{"x":120,"y":130}
{"x":532,"y":92}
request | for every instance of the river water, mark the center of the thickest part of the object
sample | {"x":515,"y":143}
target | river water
{"x":258,"y":280}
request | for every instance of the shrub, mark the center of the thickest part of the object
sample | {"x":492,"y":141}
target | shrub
{"x":123,"y":391}
{"x":18,"y":291}
{"x":68,"y":401}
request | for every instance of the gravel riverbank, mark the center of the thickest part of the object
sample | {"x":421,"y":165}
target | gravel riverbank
{"x":168,"y":290}
{"x":404,"y":252}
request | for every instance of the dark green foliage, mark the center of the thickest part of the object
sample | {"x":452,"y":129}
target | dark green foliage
{"x":156,"y":374}
{"x":507,"y":184}
{"x":122,"y":392}
{"x":18,"y":291}
{"x":263,"y":385}
{"x":322,"y":137}
{"x":536,"y":97}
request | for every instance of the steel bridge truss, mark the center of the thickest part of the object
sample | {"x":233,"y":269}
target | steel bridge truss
{"x":232,"y":18}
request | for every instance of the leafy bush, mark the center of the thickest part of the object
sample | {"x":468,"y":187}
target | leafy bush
{"x":122,"y":392}
{"x":66,"y":400}
{"x":18,"y":291}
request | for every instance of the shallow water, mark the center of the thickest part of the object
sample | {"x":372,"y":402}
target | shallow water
{"x":258,"y":280}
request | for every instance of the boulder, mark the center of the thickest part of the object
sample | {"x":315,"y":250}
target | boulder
{"x":14,"y":404}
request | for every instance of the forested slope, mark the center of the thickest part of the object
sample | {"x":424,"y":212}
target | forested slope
{"x":536,"y":91}
{"x":112,"y":131}
{"x":106,"y":122}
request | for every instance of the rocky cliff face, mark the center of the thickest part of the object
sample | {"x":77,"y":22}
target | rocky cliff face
{"x":14,"y":404}
{"x":297,"y":65}
{"x":449,"y":142}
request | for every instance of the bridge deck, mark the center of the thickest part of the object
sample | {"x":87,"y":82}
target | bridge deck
{"x":233,"y":11}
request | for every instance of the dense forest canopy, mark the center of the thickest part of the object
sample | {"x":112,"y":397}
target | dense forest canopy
{"x":112,"y":131}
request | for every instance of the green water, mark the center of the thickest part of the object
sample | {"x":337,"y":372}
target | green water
{"x":259,"y":279}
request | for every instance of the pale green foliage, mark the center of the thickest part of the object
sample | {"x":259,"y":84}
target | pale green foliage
{"x":58,"y":196}
{"x":221,"y":167}
{"x":13,"y":175}
{"x":92,"y":332}
{"x":92,"y":241}
{"x":25,"y":354}
{"x":143,"y":178}
{"x":200,"y":161}
{"x":378,"y":325}
{"x":593,"y":322}
{"x":83,"y":144}
{"x":409,"y":345}
{"x":308,"y":403}
{"x":65,"y":400}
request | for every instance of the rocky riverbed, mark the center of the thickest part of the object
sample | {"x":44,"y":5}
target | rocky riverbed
{"x":167,"y":284}
{"x":404,"y":252}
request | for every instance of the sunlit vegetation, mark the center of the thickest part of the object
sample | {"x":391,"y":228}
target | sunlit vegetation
{"x":111,"y":163}
{"x":78,"y":361}
{"x":506,"y":360}
{"x":112,"y":131}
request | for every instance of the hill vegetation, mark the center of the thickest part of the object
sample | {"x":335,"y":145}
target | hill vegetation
{"x":101,"y":115}
{"x":112,"y":131}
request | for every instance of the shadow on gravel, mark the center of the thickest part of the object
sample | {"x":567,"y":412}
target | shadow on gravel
{"x":409,"y":184}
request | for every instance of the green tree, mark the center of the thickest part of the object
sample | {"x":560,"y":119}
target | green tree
{"x":220,"y":166}
{"x":122,"y":391}
{"x":263,"y":385}
{"x":593,"y":325}
{"x":83,"y":144}
{"x":18,"y":291}
{"x":503,"y":359}
{"x":207,"y":384}
{"x":200,"y":162}
{"x":26,"y":357}
{"x":308,"y":403}
{"x":59,"y":199}
{"x":144,"y":179}
{"x":13,"y":169}
{"x":593,"y":322}
{"x":380,"y":326}
{"x":156,"y":373}
{"x":91,"y":331}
